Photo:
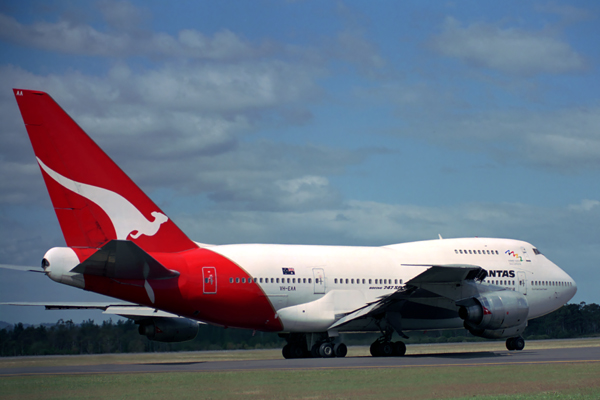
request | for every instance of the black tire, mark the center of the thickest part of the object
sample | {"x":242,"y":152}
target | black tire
{"x":326,"y":350}
{"x":286,"y":351}
{"x":340,"y":350}
{"x":399,"y":349}
{"x":519,"y":343}
{"x":510,"y":344}
{"x":386,"y":349}
{"x":297,"y":351}
{"x":314,"y":351}
{"x":375,"y":349}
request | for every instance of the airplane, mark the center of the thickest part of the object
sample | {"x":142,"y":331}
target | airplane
{"x":121,"y":244}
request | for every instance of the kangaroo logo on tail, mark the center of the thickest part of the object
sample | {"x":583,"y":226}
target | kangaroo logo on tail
{"x":125,"y":217}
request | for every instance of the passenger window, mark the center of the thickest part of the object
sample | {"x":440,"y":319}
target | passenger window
{"x":352,"y":281}
{"x":243,"y":280}
{"x":237,"y":280}
{"x":277,"y":280}
{"x":304,"y":280}
{"x":309,"y":280}
{"x":369,"y":281}
{"x":230,"y":280}
{"x":335,"y":280}
{"x":460,"y":251}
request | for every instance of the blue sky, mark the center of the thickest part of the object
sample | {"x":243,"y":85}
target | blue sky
{"x":344,"y":123}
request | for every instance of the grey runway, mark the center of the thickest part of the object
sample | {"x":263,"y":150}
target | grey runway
{"x":547,"y":356}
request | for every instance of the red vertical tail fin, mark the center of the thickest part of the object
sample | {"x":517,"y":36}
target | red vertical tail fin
{"x":94,"y":200}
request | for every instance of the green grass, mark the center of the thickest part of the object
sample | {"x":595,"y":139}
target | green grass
{"x":544,"y":381}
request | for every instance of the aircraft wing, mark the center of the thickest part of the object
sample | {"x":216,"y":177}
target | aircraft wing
{"x":447,"y":282}
{"x":127,"y":310}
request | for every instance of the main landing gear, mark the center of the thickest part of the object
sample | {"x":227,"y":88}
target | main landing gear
{"x":322,"y":347}
{"x":386,"y":348}
{"x":515,"y":343}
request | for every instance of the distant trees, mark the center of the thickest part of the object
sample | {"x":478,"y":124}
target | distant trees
{"x":121,"y":337}
{"x":66,"y":337}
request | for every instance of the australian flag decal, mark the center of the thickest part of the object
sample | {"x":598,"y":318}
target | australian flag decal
{"x":288,"y":271}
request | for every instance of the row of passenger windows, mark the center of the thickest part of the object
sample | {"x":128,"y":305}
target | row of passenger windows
{"x":500,"y":282}
{"x":350,"y":281}
{"x":533,"y":283}
{"x":341,"y":281}
{"x":272,"y":280}
{"x":551,"y":283}
{"x":476,"y":251}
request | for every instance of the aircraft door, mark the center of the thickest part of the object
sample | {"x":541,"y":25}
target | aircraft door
{"x":522,"y":282}
{"x":525,"y":254}
{"x":209,"y":280}
{"x":319,"y":275}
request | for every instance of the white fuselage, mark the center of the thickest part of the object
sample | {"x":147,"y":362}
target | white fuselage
{"x":311,"y":286}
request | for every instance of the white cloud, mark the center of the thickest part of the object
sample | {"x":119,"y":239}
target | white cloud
{"x":586,"y":205}
{"x":71,"y":38}
{"x":510,"y":50}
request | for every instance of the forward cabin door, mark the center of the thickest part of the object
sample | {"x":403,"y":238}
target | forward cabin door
{"x":209,"y":280}
{"x":319,"y":275}
{"x":522,"y":282}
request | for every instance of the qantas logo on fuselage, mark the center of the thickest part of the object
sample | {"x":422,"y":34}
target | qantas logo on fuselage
{"x":501,"y":273}
{"x":125,"y":217}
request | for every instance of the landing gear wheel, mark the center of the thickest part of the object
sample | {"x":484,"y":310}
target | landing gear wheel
{"x":286,"y":351}
{"x":340,"y":350}
{"x":399,"y":349}
{"x":326,"y":350}
{"x":519,"y":343}
{"x":387,"y":349}
{"x":314,"y":351}
{"x":382,"y":349}
{"x":374,"y":349}
{"x":510,"y":344}
{"x":297,"y":351}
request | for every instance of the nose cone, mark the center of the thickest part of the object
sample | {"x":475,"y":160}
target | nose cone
{"x":573,"y":288}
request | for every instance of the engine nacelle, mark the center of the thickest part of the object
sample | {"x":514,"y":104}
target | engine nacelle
{"x":499,"y":333}
{"x":163,"y":329}
{"x":494,"y":311}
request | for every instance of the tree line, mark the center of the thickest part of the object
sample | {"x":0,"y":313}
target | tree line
{"x":66,"y":337}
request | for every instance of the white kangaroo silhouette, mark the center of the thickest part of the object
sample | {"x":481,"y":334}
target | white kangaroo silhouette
{"x":125,"y":217}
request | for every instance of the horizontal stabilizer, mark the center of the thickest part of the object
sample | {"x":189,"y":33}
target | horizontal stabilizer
{"x":69,"y":305}
{"x":123,"y":259}
{"x":22,"y":268}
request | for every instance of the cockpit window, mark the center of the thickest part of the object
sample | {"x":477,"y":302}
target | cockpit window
{"x":536,"y":251}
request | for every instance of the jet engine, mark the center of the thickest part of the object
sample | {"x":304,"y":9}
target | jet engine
{"x":495,"y":315}
{"x":162,"y":329}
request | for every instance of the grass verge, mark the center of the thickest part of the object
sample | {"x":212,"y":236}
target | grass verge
{"x":549,"y":381}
